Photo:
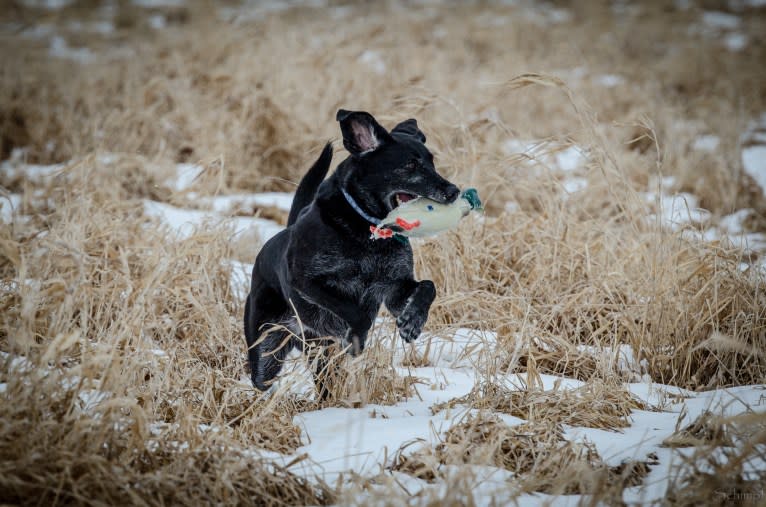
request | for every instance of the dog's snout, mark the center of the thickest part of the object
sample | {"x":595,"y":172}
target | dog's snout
{"x":451,"y":193}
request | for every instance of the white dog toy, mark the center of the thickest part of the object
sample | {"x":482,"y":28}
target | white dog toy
{"x":423,"y":217}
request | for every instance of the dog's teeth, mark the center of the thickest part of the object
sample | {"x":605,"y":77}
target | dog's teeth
{"x":398,"y":201}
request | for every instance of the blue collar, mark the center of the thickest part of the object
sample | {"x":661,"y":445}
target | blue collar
{"x":372,"y":220}
{"x":359,"y":210}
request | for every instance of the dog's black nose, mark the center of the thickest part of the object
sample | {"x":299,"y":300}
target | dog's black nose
{"x":451,"y":193}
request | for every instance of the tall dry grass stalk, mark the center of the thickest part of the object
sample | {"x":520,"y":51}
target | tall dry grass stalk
{"x":122,"y":347}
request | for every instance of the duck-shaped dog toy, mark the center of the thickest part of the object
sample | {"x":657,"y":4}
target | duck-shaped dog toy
{"x":423,"y":217}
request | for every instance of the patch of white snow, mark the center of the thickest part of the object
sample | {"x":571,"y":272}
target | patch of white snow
{"x":706,"y":142}
{"x":60,"y":49}
{"x":721,"y":20}
{"x":374,"y":60}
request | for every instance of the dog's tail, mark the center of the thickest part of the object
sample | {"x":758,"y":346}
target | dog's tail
{"x":308,"y":186}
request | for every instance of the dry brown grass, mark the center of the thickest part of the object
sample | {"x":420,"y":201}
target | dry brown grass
{"x":541,"y":459}
{"x":708,"y":428}
{"x":371,"y":378}
{"x":106,"y":307}
{"x":594,"y":405}
{"x":92,"y":289}
{"x":717,"y":473}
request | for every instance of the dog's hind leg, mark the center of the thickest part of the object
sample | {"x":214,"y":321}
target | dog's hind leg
{"x":267,"y":356}
{"x":267,"y":344}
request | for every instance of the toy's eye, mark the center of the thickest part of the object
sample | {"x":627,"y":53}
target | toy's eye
{"x":430,"y":208}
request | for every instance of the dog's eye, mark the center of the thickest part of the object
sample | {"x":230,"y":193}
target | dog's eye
{"x":412,"y":164}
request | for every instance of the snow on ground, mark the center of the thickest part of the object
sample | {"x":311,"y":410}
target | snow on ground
{"x":720,"y":20}
{"x":676,"y":210}
{"x":240,"y":278}
{"x":36,"y":174}
{"x":563,"y":161}
{"x":374,"y":60}
{"x":231,"y":203}
{"x":610,"y":80}
{"x":708,"y":143}
{"x":221,"y":210}
{"x":255,"y":11}
{"x":8,"y":205}
{"x":623,"y":358}
{"x":754,"y":152}
{"x":185,"y":175}
{"x":46,"y":4}
{"x":158,"y":3}
{"x":100,"y":27}
{"x":364,"y":440}
{"x":725,"y":27}
{"x":59,"y":48}
{"x":680,"y":210}
{"x":185,"y":222}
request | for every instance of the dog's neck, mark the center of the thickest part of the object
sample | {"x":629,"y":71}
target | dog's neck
{"x":343,"y":211}
{"x":358,"y":209}
{"x":371,"y":219}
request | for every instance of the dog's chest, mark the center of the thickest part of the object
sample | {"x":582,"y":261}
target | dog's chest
{"x":367,"y":274}
{"x":382,"y":270}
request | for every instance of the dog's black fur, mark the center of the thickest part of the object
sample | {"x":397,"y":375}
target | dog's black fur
{"x":325,"y":267}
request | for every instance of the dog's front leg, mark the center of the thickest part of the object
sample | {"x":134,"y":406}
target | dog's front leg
{"x":409,"y":303}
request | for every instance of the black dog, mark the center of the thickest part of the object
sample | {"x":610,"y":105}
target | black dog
{"x":325,"y":266}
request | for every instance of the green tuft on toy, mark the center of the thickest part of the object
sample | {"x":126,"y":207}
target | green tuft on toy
{"x":423,"y":217}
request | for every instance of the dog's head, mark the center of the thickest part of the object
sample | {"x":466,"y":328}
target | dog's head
{"x":388,"y":168}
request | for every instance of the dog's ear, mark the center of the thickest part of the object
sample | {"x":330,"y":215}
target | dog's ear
{"x":410,"y":127}
{"x":361,"y":133}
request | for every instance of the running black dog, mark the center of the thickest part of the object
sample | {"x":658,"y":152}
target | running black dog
{"x":325,"y":266}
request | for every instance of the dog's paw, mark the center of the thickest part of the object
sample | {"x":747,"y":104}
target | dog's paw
{"x":354,"y":342}
{"x":411,"y":321}
{"x":264,"y":386}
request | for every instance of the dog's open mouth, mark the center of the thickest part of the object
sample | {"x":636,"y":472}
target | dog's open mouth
{"x":401,"y":197}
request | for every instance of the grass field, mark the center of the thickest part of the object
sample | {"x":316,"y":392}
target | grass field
{"x":598,"y":337}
